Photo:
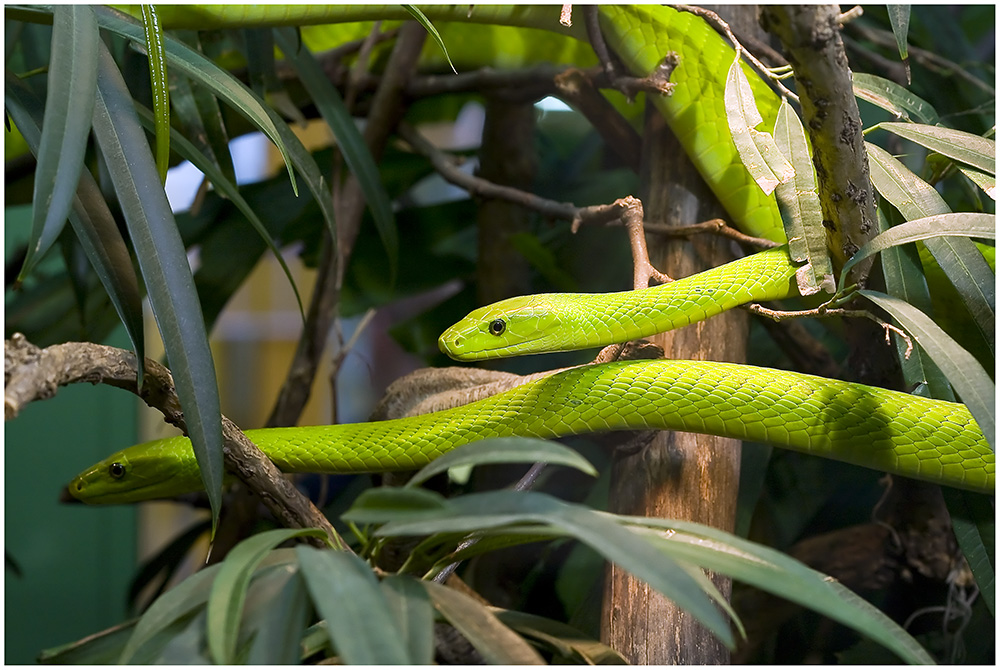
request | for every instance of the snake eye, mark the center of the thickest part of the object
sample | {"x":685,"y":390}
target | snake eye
{"x":497,"y":326}
{"x":116,"y":470}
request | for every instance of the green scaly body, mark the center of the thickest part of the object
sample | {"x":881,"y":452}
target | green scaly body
{"x":926,"y":439}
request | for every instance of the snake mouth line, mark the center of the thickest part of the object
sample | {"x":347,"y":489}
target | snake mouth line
{"x":489,"y":352}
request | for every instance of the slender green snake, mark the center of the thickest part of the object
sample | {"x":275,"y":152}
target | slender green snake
{"x":908,"y":435}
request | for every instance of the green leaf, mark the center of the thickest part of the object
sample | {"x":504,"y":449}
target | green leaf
{"x":168,"y":608}
{"x":967,"y":148}
{"x":376,"y":505}
{"x":899,"y":19}
{"x":409,"y":603}
{"x":422,"y":19}
{"x":959,"y":259}
{"x":206,"y":73}
{"x":229,"y":590}
{"x":505,"y":450}
{"x":960,"y":224}
{"x":571,"y":644}
{"x":798,"y":202}
{"x":972,"y":518}
{"x":66,"y":126}
{"x":757,"y":149}
{"x":967,"y":377}
{"x":893,"y":98}
{"x":161,"y":91}
{"x":904,"y":279}
{"x":166,"y":561}
{"x":200,"y":119}
{"x":498,"y":644}
{"x":984,"y":181}
{"x":277,"y":610}
{"x":102,"y":648}
{"x":501,"y":508}
{"x":350,"y":142}
{"x":164,"y":265}
{"x":189,"y":152}
{"x":94,"y":225}
{"x":359,"y":622}
{"x":773,"y":571}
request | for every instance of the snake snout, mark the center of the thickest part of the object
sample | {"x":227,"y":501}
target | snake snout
{"x":66,"y":496}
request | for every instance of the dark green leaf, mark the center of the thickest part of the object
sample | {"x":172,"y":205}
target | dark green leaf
{"x":422,"y":19}
{"x":502,"y":508}
{"x":414,"y":615}
{"x":189,"y":152}
{"x":498,"y":644}
{"x":164,"y":265}
{"x":166,"y":561}
{"x":972,"y":518}
{"x":277,"y":618}
{"x":225,"y":604}
{"x":200,"y":117}
{"x":967,"y":148}
{"x":205,"y":72}
{"x":967,"y":377}
{"x":573,"y":645}
{"x":505,"y":450}
{"x":984,"y":181}
{"x":94,"y":225}
{"x":359,"y":622}
{"x":773,"y":571}
{"x":899,"y":19}
{"x":161,"y":91}
{"x":953,"y":225}
{"x":66,"y":126}
{"x":893,"y":98}
{"x":350,"y":142}
{"x":168,"y":608}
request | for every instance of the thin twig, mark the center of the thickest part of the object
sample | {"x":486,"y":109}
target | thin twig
{"x":716,"y":226}
{"x":822,"y":312}
{"x":721,"y":26}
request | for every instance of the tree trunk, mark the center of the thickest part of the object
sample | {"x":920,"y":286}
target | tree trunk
{"x":679,"y":475}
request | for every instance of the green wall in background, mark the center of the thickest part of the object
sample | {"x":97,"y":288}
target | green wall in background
{"x":75,"y":561}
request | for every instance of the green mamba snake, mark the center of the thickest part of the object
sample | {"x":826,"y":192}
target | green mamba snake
{"x":907,"y":435}
{"x":904,"y":434}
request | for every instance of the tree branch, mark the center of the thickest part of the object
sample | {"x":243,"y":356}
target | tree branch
{"x":33,"y":374}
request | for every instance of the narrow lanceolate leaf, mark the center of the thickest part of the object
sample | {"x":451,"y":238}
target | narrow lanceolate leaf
{"x":164,"y":265}
{"x":899,"y":19}
{"x":206,"y":73}
{"x":979,"y":152}
{"x":958,"y":258}
{"x":505,"y":450}
{"x":570,"y":643}
{"x":358,"y":619}
{"x":350,"y":142}
{"x":777,"y":573}
{"x":972,"y":519}
{"x":422,"y":19}
{"x":501,"y":508}
{"x":757,"y":149}
{"x":188,"y":151}
{"x":893,"y":98}
{"x":904,"y":279}
{"x":160,"y":88}
{"x":409,"y":603}
{"x":798,"y":202}
{"x":66,"y":126}
{"x":967,"y":377}
{"x":197,"y":113}
{"x":229,"y":590}
{"x":168,"y":608}
{"x":278,"y":619}
{"x":498,"y":644}
{"x":959,"y":224}
{"x":984,"y":181}
{"x":93,"y":224}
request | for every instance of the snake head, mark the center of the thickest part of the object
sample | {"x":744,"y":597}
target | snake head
{"x":138,"y":473}
{"x":513,"y":327}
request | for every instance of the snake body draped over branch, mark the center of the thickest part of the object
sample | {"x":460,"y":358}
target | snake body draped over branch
{"x":912,"y":436}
